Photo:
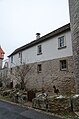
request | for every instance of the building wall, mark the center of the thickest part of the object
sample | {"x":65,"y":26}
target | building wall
{"x":0,"y":63}
{"x":51,"y":75}
{"x":50,"y":61}
{"x":49,"y":51}
{"x":4,"y":76}
{"x":74,"y":19}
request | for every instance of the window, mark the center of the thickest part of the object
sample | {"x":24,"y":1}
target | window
{"x":19,"y":54}
{"x":11,"y":70}
{"x":20,"y":57}
{"x":61,"y":42}
{"x":63,"y":65}
{"x":39,"y":68}
{"x":39,"y":49}
{"x":11,"y":59}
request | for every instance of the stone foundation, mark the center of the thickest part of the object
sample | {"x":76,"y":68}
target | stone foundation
{"x":51,"y":75}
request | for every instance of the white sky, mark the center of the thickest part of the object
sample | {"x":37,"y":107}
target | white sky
{"x":20,"y":20}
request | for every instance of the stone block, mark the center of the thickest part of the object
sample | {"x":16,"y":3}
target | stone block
{"x":75,"y":103}
{"x":60,"y":103}
{"x":54,"y":104}
{"x":39,"y":104}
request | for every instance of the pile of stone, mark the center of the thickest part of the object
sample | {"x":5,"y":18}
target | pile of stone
{"x":6,"y":93}
{"x":54,"y":103}
{"x":59,"y":103}
{"x":40,"y":102}
{"x":75,"y":103}
{"x":14,"y":95}
{"x":18,"y":96}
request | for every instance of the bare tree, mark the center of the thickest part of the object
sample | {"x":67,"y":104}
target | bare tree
{"x":4,"y":77}
{"x":20,"y":73}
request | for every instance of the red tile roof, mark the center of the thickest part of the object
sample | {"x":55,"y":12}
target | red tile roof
{"x":1,"y":53}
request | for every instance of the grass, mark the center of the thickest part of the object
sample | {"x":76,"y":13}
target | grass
{"x":67,"y":115}
{"x":6,"y":98}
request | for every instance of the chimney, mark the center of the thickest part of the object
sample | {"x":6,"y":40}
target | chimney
{"x":37,"y":35}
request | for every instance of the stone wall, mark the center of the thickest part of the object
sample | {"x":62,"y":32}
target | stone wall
{"x":75,"y":103}
{"x":59,"y":104}
{"x":0,"y":63}
{"x":52,"y":75}
{"x":74,"y":19}
{"x":54,"y":104}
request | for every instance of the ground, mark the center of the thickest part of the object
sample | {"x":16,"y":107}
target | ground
{"x":9,"y":109}
{"x":13,"y":111}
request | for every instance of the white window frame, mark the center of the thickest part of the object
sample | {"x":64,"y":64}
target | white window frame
{"x":63,"y":66}
{"x":11,"y":59}
{"x":61,"y":42}
{"x":20,"y":57}
{"x":39,"y":49}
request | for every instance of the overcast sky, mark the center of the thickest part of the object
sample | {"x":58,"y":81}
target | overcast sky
{"x":20,"y":20}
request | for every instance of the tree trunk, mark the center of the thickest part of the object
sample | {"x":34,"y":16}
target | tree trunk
{"x":74,"y":22}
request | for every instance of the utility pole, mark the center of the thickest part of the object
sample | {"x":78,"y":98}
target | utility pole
{"x":74,"y":22}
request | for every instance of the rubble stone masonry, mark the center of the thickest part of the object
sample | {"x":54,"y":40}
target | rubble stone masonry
{"x":52,"y":75}
{"x":74,"y":19}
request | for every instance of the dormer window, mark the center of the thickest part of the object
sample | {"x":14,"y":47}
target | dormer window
{"x":39,"y":49}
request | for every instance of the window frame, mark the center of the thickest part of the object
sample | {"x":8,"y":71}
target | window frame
{"x":39,"y":49}
{"x":39,"y":68}
{"x":63,"y":66}
{"x":11,"y":59}
{"x":61,"y":42}
{"x":20,"y":57}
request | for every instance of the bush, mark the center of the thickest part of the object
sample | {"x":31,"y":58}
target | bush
{"x":5,"y":93}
